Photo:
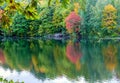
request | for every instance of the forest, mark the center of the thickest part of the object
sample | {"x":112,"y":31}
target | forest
{"x":27,"y":25}
{"x":38,"y":18}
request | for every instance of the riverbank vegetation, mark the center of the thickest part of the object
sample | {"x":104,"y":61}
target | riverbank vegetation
{"x":35,"y":18}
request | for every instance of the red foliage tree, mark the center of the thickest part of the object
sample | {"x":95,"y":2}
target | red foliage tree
{"x":72,"y":22}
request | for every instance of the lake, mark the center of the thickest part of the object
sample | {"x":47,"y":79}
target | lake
{"x":60,"y":61}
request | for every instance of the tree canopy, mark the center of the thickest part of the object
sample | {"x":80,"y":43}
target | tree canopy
{"x":48,"y":17}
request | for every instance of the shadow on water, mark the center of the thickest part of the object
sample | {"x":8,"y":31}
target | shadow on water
{"x":93,"y":60}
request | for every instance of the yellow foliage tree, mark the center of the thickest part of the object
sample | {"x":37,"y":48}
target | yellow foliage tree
{"x":109,"y":17}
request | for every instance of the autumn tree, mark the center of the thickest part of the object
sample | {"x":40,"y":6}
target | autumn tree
{"x":72,"y":22}
{"x":109,"y":17}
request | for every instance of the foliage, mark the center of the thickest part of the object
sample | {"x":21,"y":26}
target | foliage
{"x":23,"y":27}
{"x":109,"y":17}
{"x":43,"y":17}
{"x":76,"y":7}
{"x":93,"y":20}
{"x":52,"y":20}
{"x":72,"y":22}
{"x":46,"y":26}
{"x":12,"y":6}
{"x":29,"y":10}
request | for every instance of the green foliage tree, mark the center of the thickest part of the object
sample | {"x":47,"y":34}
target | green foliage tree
{"x":23,"y":27}
{"x":93,"y":20}
{"x":52,"y":20}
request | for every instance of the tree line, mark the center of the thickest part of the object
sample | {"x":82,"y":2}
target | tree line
{"x":89,"y":18}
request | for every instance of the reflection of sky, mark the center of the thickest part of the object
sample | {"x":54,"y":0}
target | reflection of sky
{"x":29,"y":78}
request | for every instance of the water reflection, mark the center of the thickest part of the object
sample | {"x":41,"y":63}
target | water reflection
{"x":110,"y":53}
{"x":51,"y":59}
{"x":2,"y":58}
{"x":74,"y":54}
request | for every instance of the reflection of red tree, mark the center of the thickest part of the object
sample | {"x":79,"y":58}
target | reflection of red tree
{"x":73,"y":53}
{"x":1,"y":13}
{"x":2,"y":58}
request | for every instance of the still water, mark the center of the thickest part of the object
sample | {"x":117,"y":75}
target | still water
{"x":55,"y":61}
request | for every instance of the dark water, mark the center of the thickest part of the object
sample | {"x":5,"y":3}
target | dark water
{"x":52,"y":61}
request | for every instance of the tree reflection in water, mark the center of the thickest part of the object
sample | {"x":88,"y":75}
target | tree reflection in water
{"x":2,"y":58}
{"x":110,"y":54}
{"x":95,"y":61}
{"x":73,"y":53}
